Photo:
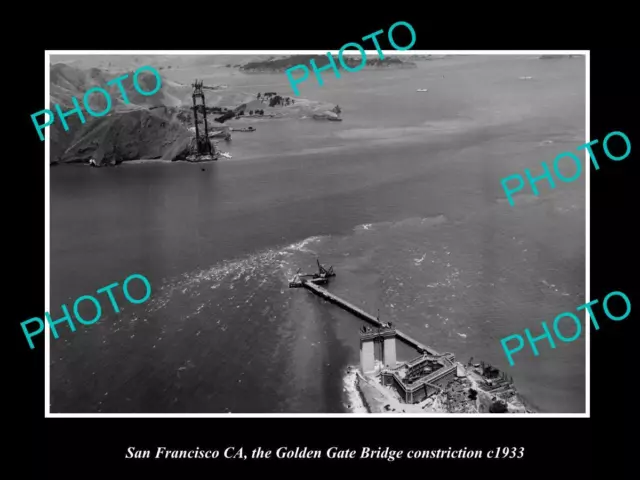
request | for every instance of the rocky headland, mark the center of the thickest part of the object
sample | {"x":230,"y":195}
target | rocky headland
{"x":156,"y":127}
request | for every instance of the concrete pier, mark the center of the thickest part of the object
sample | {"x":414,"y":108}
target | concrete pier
{"x":321,"y":292}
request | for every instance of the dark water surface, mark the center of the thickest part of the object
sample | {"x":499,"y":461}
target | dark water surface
{"x":403,"y":198}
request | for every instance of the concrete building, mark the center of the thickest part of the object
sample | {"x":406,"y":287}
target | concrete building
{"x":421,"y":377}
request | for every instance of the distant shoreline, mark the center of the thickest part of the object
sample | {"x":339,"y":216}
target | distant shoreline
{"x":368,"y":67}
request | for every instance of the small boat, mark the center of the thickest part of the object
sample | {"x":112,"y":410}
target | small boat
{"x":334,"y":119}
{"x":422,"y":90}
{"x":225,"y":154}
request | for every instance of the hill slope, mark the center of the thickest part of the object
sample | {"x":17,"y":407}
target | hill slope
{"x":132,"y":135}
{"x":68,"y":82}
{"x":161,"y":62}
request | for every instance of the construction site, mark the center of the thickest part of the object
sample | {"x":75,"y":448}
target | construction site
{"x":431,"y":382}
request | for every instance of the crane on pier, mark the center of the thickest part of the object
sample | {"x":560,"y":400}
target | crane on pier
{"x":323,"y":272}
{"x":322,"y":276}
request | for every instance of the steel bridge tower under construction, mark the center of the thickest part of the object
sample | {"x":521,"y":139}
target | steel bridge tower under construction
{"x":202,"y":142}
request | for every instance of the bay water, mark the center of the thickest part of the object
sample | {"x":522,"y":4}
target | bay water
{"x":403,"y":198}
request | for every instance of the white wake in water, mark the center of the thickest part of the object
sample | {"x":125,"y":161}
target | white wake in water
{"x":355,"y":404}
{"x":261,"y":267}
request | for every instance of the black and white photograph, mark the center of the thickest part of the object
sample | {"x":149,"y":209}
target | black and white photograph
{"x":319,"y":241}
